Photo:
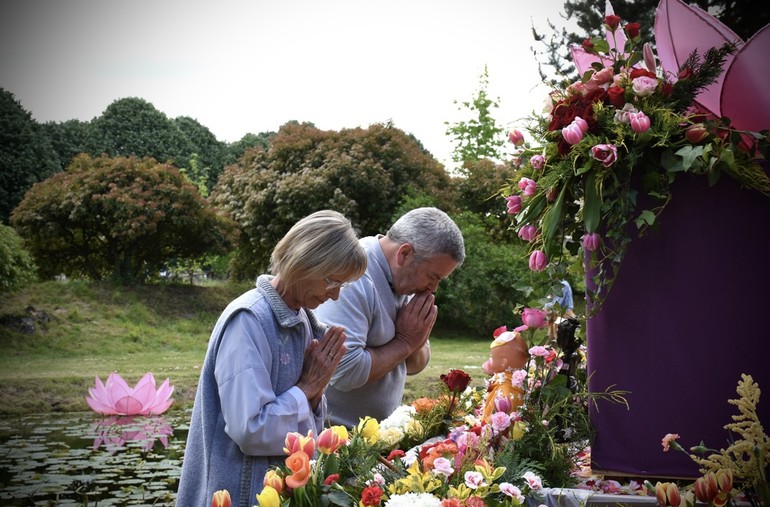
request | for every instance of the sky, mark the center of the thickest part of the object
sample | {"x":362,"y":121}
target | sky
{"x":239,"y":66}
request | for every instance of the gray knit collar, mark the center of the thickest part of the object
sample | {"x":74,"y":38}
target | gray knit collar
{"x":285,"y":316}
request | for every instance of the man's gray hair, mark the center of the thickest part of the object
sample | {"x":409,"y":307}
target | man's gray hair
{"x":431,"y":232}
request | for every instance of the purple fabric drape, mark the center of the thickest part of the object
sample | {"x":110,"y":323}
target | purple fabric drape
{"x":689,"y":312}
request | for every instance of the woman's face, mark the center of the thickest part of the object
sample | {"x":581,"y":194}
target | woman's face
{"x":312,"y":293}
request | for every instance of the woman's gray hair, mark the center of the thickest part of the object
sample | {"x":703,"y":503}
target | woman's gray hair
{"x":319,"y":245}
{"x":431,"y":232}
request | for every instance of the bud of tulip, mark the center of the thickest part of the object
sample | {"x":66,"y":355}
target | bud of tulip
{"x":640,"y":122}
{"x":516,"y":137}
{"x":725,"y":480}
{"x":538,"y":261}
{"x":528,"y":186}
{"x":591,"y":241}
{"x":273,"y":480}
{"x":649,"y":57}
{"x":268,"y":497}
{"x":513,"y":203}
{"x":528,"y":232}
{"x":580,"y":122}
{"x":221,"y":498}
{"x":706,"y":488}
{"x":537,"y":162}
{"x":696,"y":133}
{"x":572,"y":133}
{"x":503,"y":404}
{"x":328,"y":441}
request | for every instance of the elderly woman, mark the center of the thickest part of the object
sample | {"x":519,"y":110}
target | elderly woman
{"x":268,"y":363}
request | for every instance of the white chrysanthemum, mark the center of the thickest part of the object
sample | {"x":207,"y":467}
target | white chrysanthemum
{"x":413,"y":500}
{"x":391,"y":436}
{"x":400,"y":417}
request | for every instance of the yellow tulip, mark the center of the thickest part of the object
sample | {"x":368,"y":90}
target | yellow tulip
{"x":268,"y":498}
{"x":369,"y":429}
{"x":518,"y":430}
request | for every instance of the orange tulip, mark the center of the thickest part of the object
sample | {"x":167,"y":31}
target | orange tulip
{"x":295,"y":442}
{"x":667,"y":494}
{"x":273,"y":480}
{"x":328,"y":441}
{"x":221,"y":498}
{"x":299,"y":464}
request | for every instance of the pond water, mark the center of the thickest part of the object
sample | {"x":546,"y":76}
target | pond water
{"x":86,"y":459}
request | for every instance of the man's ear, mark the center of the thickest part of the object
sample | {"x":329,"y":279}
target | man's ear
{"x":404,"y":251}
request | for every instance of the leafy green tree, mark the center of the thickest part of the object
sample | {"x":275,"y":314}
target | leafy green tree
{"x":740,"y":15}
{"x":479,"y":137}
{"x":132,"y":127}
{"x":73,"y":137}
{"x":117,"y":217}
{"x":16,"y":266}
{"x":209,"y":152}
{"x":26,"y":154}
{"x":362,"y":173}
{"x":235,"y":151}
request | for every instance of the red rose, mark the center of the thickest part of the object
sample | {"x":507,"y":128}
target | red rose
{"x":612,"y":22}
{"x":371,"y":495}
{"x":456,"y":380}
{"x":667,"y":89}
{"x":637,"y":72}
{"x":616,"y":96}
{"x":685,"y":73}
{"x":632,"y":30}
{"x":588,"y":45}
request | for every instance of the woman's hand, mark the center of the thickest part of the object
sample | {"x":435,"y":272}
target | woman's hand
{"x":321,"y":359}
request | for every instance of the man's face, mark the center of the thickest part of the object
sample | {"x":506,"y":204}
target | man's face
{"x":413,"y":276}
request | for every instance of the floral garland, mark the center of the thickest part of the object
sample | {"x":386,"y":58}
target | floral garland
{"x":610,"y":147}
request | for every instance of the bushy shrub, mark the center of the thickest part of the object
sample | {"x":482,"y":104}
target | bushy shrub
{"x":16,"y":266}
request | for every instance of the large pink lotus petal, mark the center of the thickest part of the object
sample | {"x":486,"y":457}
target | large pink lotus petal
{"x":128,"y":405}
{"x":745,"y":97}
{"x":584,"y":59}
{"x":99,"y":399}
{"x":147,"y":379}
{"x":679,"y":30}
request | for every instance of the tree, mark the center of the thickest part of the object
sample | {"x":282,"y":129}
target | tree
{"x":740,"y":15}
{"x":208,"y":151}
{"x":73,"y":137}
{"x":132,"y":127}
{"x":235,"y":151}
{"x":16,"y":265}
{"x":118,"y":217}
{"x":362,"y":173}
{"x":26,"y":154}
{"x":479,"y":137}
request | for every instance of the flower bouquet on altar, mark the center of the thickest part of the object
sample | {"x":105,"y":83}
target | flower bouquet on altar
{"x":611,"y":144}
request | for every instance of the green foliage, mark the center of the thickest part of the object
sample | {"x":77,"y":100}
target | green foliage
{"x":362,"y":173}
{"x":481,"y":295}
{"x":26,"y":155}
{"x":73,"y":137}
{"x":16,"y":266}
{"x":134,"y":127}
{"x":118,"y":217}
{"x":234,"y":151}
{"x":207,"y":152}
{"x":478,"y":190}
{"x":478,"y":137}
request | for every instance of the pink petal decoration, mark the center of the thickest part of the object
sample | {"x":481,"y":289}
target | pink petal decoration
{"x":583,"y":59}
{"x":117,"y":398}
{"x":681,"y":28}
{"x":745,"y":94}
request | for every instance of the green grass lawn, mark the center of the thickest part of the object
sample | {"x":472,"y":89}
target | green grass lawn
{"x":85,"y":329}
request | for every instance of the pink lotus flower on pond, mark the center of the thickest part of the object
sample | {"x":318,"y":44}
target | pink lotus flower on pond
{"x":115,"y":397}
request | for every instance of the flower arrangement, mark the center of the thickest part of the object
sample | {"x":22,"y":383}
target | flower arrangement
{"x":442,"y":451}
{"x":743,"y":464}
{"x":611,"y":145}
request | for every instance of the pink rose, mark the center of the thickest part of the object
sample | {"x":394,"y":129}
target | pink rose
{"x":607,"y":154}
{"x":528,"y":186}
{"x":533,"y":318}
{"x":538,"y":261}
{"x":644,"y":86}
{"x":640,"y":122}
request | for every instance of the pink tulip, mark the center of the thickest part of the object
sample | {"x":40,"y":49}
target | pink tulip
{"x":533,"y":318}
{"x":538,"y":261}
{"x":640,"y":122}
{"x":328,"y":441}
{"x":296,"y":442}
{"x":572,"y":133}
{"x":528,"y":187}
{"x":513,"y":204}
{"x":591,"y":241}
{"x":580,"y":122}
{"x":117,"y":398}
{"x":528,"y":232}
{"x":607,"y":154}
{"x":537,"y":162}
{"x":516,"y":137}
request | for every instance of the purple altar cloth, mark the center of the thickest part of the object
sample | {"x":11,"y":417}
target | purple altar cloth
{"x":689,"y":312}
